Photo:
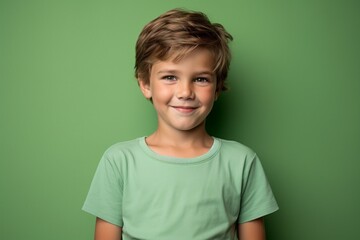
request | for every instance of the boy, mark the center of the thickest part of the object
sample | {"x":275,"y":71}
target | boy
{"x":180,"y":182}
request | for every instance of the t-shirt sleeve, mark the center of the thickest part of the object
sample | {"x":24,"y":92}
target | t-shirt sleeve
{"x":104,"y":199}
{"x":257,"y":199}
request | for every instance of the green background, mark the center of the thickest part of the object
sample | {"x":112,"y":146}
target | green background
{"x":67,"y":92}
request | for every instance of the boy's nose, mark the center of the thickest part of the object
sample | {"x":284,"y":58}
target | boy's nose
{"x":185,"y":91}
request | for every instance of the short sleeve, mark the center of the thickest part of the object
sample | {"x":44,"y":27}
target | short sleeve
{"x":104,"y":199}
{"x":257,"y":198}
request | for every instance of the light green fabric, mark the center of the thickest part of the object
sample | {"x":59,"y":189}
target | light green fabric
{"x":158,"y":197}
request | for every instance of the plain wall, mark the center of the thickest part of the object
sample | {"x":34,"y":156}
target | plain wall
{"x":67,"y":92}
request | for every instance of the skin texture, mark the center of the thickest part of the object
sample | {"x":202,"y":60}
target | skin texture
{"x":106,"y":231}
{"x":183,"y":94}
{"x":253,"y":230}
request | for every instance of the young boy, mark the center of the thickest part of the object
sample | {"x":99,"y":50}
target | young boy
{"x":180,"y":182}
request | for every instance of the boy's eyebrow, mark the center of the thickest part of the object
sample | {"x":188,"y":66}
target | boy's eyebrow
{"x":167,"y":71}
{"x":176,"y":72}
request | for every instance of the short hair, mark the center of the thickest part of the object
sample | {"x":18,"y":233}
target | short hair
{"x":177,"y":33}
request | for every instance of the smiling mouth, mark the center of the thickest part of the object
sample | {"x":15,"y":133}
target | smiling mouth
{"x":184,"y":109}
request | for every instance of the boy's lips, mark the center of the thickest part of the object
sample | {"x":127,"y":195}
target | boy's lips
{"x":184,"y":109}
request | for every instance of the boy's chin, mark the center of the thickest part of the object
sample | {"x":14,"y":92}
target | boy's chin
{"x":191,"y":127}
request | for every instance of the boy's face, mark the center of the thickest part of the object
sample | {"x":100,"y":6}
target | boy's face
{"x":182,"y":93}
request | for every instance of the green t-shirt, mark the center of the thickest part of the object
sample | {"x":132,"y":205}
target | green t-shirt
{"x":158,"y":197}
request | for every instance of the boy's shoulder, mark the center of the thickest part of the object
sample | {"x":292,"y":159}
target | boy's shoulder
{"x":225,"y":144}
{"x":227,"y":148}
{"x":123,"y":146}
{"x":235,"y":147}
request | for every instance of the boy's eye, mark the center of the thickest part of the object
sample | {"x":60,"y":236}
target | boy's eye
{"x":201,"y":80}
{"x":169,"y":77}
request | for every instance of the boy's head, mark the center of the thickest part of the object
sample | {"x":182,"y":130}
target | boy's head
{"x":177,"y":33}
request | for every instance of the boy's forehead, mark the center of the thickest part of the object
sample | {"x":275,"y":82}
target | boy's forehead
{"x":199,"y":63}
{"x":202,"y":55}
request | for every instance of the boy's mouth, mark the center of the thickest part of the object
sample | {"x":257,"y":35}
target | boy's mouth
{"x":184,"y":109}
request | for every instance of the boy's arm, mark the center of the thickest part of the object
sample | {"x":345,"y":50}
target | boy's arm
{"x":106,"y":231}
{"x":253,"y":230}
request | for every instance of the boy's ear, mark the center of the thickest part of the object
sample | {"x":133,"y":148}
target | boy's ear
{"x":145,"y":88}
{"x":217,"y":93}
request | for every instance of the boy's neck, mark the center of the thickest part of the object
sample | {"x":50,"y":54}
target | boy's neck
{"x":185,"y":144}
